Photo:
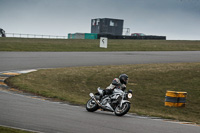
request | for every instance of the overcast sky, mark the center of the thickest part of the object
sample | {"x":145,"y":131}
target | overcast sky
{"x":176,"y":19}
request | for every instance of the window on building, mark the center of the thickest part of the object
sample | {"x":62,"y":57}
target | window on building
{"x":112,"y":23}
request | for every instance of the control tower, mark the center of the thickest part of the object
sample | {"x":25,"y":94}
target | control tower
{"x":107,"y":26}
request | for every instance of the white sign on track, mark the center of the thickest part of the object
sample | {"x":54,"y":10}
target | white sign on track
{"x":103,"y":42}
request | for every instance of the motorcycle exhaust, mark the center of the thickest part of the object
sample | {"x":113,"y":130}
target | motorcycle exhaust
{"x":92,"y":96}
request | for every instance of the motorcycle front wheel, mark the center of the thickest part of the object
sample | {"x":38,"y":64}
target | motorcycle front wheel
{"x":91,"y":105}
{"x":123,"y":110}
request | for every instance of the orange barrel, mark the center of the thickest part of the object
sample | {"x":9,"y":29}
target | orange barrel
{"x":175,"y":99}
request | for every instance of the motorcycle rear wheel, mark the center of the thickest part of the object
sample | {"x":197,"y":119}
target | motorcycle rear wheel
{"x":91,"y":105}
{"x":122,"y":111}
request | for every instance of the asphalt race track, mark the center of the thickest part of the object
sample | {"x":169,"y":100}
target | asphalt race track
{"x":36,"y":114}
{"x":33,"y":60}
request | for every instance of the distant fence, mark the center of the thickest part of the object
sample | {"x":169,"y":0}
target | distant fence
{"x":18,"y":35}
{"x":89,"y":36}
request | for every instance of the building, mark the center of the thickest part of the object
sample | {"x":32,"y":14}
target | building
{"x":111,"y":29}
{"x":107,"y":26}
{"x":82,"y":36}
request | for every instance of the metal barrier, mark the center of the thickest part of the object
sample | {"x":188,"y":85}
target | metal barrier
{"x":18,"y":35}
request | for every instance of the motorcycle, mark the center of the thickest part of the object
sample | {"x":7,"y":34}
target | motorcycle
{"x":117,"y":102}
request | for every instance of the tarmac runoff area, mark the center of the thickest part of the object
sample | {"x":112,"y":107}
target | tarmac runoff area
{"x":5,"y":88}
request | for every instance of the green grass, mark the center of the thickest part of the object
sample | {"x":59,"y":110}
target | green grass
{"x":22,"y":44}
{"x":11,"y":130}
{"x":149,"y":83}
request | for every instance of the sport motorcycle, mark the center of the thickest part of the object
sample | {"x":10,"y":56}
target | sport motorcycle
{"x":117,"y":102}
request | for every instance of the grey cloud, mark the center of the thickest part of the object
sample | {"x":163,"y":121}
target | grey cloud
{"x":177,"y":19}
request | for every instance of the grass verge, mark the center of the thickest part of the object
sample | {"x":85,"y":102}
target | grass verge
{"x":149,"y":83}
{"x":12,"y":130}
{"x":23,"y":44}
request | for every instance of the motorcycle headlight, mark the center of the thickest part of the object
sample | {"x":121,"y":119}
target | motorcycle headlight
{"x":130,"y":95}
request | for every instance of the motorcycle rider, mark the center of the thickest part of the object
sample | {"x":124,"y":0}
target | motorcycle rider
{"x":117,"y":83}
